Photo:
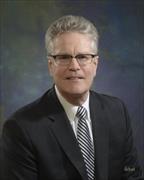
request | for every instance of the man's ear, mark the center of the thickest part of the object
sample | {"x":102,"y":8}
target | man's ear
{"x":96,"y":60}
{"x":50,"y":64}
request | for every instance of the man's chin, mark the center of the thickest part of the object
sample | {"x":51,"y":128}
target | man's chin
{"x":77,"y":93}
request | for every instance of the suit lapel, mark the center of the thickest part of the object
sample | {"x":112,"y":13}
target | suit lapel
{"x":65,"y":135}
{"x":100,"y":136}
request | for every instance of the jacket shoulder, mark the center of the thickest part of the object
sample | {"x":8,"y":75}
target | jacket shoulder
{"x":106,"y":100}
{"x":36,"y":109}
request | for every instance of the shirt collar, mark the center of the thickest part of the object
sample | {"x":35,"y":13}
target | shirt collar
{"x":70,"y":109}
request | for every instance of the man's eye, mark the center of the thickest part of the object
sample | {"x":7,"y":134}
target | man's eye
{"x":63,"y":57}
{"x":81,"y":56}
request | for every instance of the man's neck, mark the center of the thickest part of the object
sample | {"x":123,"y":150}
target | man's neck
{"x":75,"y":99}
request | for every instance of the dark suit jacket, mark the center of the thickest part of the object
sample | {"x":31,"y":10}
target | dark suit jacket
{"x":39,"y":144}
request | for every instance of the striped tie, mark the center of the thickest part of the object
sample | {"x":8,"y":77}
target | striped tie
{"x":85,"y":142}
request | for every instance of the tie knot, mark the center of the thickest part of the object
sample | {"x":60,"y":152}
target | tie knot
{"x":81,"y":112}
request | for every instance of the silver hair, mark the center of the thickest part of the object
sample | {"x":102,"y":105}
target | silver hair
{"x":70,"y":23}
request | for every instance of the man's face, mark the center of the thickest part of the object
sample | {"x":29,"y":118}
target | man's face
{"x":73,"y":79}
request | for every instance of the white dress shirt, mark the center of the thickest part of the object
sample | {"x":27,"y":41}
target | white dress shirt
{"x":71,"y":111}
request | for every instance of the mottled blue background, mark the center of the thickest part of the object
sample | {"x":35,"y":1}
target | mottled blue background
{"x":23,"y":66}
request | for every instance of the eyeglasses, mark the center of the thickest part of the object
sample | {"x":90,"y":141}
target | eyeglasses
{"x":65,"y":59}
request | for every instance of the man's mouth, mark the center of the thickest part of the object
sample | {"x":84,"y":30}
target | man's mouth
{"x":74,"y":78}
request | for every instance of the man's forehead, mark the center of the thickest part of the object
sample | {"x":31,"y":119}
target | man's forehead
{"x":73,"y":41}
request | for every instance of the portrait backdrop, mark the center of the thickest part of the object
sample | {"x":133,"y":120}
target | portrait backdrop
{"x":23,"y":64}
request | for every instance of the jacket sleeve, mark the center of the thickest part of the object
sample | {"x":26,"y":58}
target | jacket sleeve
{"x":131,"y":168}
{"x":18,"y":160}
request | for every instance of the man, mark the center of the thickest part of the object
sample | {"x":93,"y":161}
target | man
{"x":71,"y":132}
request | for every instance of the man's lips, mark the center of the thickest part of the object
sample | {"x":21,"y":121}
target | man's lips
{"x":74,"y":77}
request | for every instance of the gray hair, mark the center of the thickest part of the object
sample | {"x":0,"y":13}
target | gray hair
{"x":70,"y":23}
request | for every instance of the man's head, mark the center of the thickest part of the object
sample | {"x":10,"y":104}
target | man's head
{"x":71,"y":44}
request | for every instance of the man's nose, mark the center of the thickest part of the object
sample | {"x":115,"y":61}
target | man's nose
{"x":74,"y":64}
